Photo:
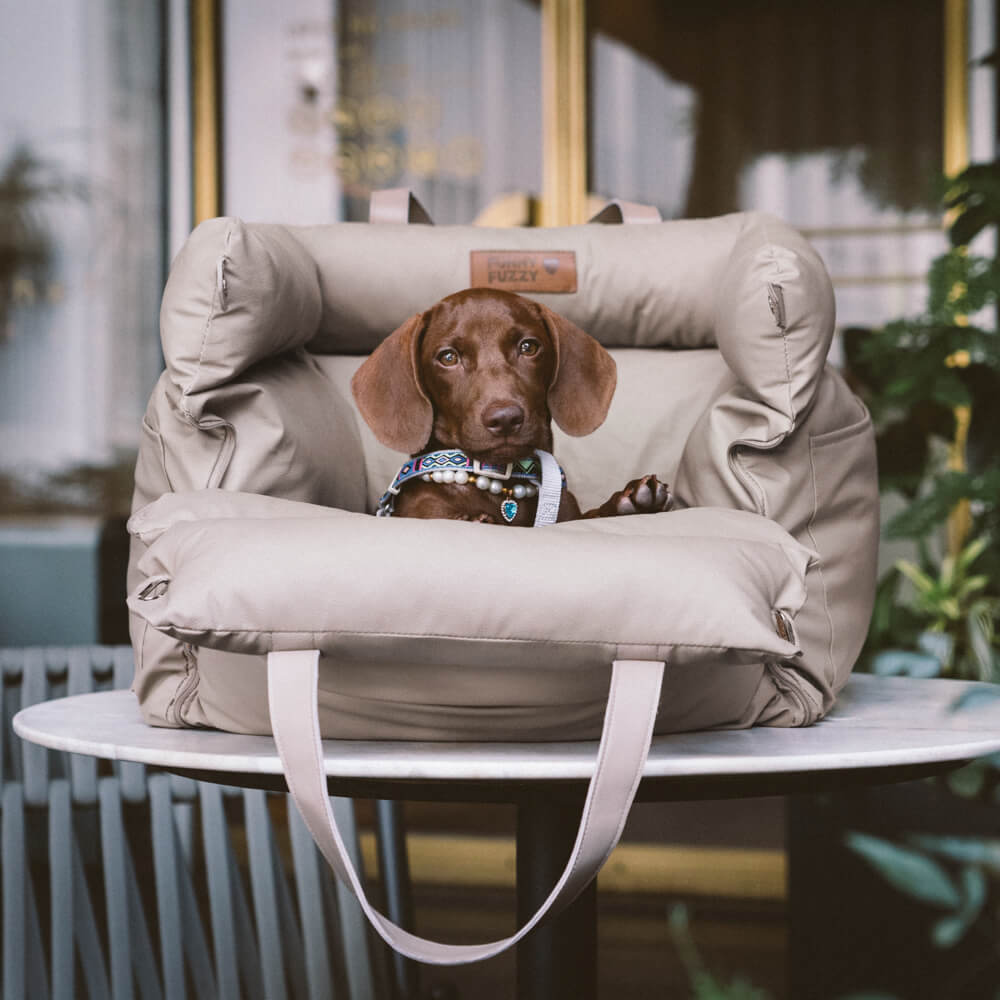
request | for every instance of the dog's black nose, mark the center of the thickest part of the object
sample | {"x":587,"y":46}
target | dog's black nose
{"x":503,"y":419}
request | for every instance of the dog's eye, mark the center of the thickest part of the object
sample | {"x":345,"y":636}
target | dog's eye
{"x":448,"y":357}
{"x":528,"y":347}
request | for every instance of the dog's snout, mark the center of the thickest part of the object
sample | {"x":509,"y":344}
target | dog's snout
{"x":503,"y":419}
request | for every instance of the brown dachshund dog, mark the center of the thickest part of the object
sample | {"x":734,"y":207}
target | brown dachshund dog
{"x":486,"y":372}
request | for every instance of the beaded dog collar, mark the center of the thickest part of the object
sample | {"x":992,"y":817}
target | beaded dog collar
{"x":509,"y":483}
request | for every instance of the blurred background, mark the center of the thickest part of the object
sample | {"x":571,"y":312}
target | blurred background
{"x":125,"y":122}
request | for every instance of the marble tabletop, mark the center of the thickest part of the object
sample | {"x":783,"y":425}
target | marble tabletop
{"x":879,"y":723}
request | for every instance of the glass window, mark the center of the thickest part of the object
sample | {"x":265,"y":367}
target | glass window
{"x":81,"y":234}
{"x":81,"y":271}
{"x":326,"y":102}
{"x":828,"y":115}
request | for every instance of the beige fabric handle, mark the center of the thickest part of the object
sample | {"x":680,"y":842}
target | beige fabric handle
{"x":397,"y":205}
{"x":628,"y":212}
{"x":621,"y":756}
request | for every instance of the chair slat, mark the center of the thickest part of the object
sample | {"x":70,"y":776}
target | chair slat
{"x":62,"y":938}
{"x":288,"y":923}
{"x":263,"y":880}
{"x":167,"y":891}
{"x":122,"y":667}
{"x":143,"y":953}
{"x":88,"y":942}
{"x":34,"y":688}
{"x":196,"y":950}
{"x":312,"y":918}
{"x":215,"y":836}
{"x":15,"y":888}
{"x":246,"y":940}
{"x":353,"y":925}
{"x":116,"y":888}
{"x":82,"y":769}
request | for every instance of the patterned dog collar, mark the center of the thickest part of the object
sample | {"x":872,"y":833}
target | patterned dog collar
{"x":453,"y":466}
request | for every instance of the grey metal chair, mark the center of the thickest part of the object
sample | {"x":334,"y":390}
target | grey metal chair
{"x":120,"y":881}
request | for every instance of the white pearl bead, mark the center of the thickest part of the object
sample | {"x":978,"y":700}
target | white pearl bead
{"x":496,"y":487}
{"x":532,"y":491}
{"x":482,"y":482}
{"x":437,"y":476}
{"x":461,"y":477}
{"x":520,"y":492}
{"x":448,"y":476}
{"x":427,"y":477}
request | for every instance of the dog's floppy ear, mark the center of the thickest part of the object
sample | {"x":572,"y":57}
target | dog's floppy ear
{"x":585,"y":379}
{"x":388,"y":391}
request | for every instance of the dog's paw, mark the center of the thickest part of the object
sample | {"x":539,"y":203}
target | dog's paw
{"x":643,"y":496}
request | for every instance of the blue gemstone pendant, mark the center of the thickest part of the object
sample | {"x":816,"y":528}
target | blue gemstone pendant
{"x":509,"y":510}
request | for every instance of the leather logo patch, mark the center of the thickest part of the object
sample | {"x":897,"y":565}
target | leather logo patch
{"x":523,"y":270}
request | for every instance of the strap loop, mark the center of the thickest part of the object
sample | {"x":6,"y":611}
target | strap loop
{"x":628,"y":212}
{"x":633,"y":700}
{"x":399,"y":205}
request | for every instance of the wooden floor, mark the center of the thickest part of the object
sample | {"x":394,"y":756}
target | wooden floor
{"x":637,"y":956}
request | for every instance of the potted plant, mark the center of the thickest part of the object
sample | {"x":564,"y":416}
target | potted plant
{"x":898,"y":889}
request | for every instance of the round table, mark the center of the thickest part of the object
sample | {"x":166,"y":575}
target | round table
{"x":882,"y":730}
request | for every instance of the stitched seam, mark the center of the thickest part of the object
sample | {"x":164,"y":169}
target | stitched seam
{"x":186,"y":656}
{"x":190,"y":695}
{"x":204,"y":336}
{"x":819,"y":562}
{"x":783,"y":329}
{"x":761,"y":494}
{"x":452,"y":635}
{"x":314,"y":636}
{"x":161,"y":449}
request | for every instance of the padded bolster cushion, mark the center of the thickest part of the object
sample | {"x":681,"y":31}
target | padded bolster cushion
{"x":236,"y":294}
{"x":775,"y":315}
{"x":746,"y":283}
{"x":699,"y":583}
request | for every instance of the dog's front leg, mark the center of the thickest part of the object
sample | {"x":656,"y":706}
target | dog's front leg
{"x":642,"y":496}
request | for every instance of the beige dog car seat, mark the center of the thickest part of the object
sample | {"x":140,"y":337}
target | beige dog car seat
{"x":720,"y":329}
{"x":252,"y":527}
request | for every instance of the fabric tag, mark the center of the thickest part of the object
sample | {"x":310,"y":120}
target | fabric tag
{"x":523,"y":270}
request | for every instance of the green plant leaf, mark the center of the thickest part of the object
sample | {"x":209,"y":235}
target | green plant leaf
{"x":916,"y":576}
{"x":967,"y":782}
{"x":980,"y":632}
{"x":911,"y":872}
{"x":972,"y":585}
{"x":972,"y":552}
{"x":948,"y":931}
{"x":970,"y":223}
{"x":982,"y":851}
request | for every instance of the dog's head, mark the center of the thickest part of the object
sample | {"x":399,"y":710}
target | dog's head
{"x":484,"y":371}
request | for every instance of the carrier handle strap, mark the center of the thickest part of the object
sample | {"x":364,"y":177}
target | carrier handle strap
{"x":633,"y":699}
{"x":628,"y":212}
{"x":399,"y":205}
